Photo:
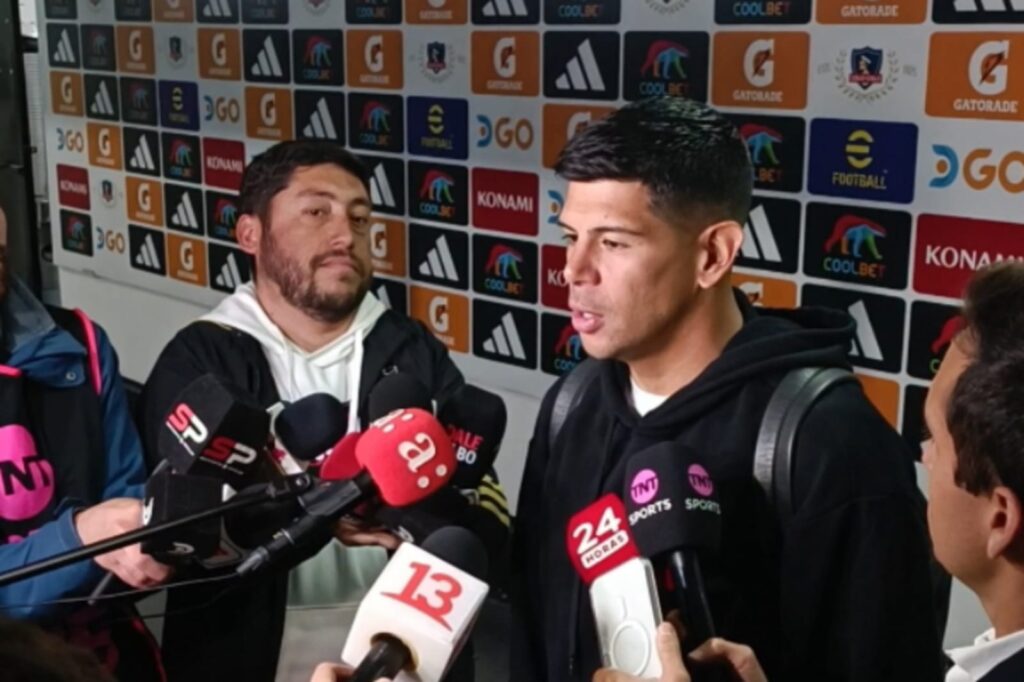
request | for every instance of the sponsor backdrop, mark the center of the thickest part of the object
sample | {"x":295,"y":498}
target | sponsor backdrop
{"x":882,"y":135}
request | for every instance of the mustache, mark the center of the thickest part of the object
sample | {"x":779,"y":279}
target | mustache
{"x":320,"y":259}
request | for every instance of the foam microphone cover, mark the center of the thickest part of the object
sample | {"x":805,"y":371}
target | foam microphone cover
{"x":341,"y":464}
{"x":310,"y":426}
{"x":408,"y":456}
{"x":170,"y":496}
{"x":397,"y":391}
{"x":671,"y":500}
{"x":460,"y":548}
{"x":475,"y":420}
{"x":213,"y":429}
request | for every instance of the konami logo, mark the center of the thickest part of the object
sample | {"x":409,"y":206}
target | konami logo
{"x":73,"y":186}
{"x":950,"y":249}
{"x":505,"y":201}
{"x":224,"y":161}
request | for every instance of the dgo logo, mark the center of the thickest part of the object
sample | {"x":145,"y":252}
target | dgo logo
{"x":26,"y":479}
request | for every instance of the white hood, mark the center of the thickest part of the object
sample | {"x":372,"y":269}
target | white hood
{"x":335,"y":368}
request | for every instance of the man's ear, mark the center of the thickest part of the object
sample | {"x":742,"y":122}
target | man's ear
{"x":1004,"y":534}
{"x":248,"y":233}
{"x":717,"y":245}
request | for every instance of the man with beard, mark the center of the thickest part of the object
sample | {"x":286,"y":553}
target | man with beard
{"x":74,"y":476}
{"x":306,"y":324}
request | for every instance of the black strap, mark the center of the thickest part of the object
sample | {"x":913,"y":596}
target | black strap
{"x":776,"y":439}
{"x":569,"y":395}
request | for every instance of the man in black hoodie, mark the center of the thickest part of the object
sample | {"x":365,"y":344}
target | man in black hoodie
{"x":653,"y":219}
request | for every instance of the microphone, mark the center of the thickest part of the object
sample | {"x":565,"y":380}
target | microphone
{"x":419,"y":612}
{"x":475,"y":420}
{"x":404,"y":457}
{"x":310,"y":426}
{"x":216,"y":430}
{"x":395,"y":392}
{"x":170,"y":496}
{"x":675,"y":514}
{"x":623,"y":591}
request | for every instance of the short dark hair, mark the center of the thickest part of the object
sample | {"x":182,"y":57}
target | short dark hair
{"x":270,"y":172}
{"x":29,"y":654}
{"x":690,"y":158}
{"x":986,"y":409}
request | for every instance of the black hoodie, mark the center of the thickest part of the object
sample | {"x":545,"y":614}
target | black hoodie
{"x":843,"y":594}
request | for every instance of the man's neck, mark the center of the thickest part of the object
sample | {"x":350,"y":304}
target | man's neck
{"x":1002,"y":597}
{"x":698,"y":341}
{"x":307,"y":333}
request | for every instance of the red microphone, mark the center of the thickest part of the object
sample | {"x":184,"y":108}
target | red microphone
{"x":623,"y":591}
{"x":403,"y":457}
{"x":341,"y":463}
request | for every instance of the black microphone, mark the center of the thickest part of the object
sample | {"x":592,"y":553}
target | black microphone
{"x":311,"y":426}
{"x":475,"y":420}
{"x":395,"y":392}
{"x":675,"y":515}
{"x":169,"y":496}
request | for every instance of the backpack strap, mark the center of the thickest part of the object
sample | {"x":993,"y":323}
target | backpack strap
{"x":569,"y":395}
{"x":83,"y":329}
{"x":776,"y":439}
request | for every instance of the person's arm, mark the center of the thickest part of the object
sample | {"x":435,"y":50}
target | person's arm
{"x":856,"y":599}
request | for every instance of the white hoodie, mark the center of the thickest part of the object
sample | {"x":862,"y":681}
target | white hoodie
{"x":337,"y":575}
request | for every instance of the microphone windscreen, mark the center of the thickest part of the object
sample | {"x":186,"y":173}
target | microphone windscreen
{"x":395,"y":392}
{"x":310,"y":426}
{"x":460,"y":548}
{"x":475,"y":420}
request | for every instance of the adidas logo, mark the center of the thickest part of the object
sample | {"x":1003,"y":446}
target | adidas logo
{"x":505,"y":8}
{"x":267,"y":64}
{"x":142,"y":157}
{"x":582,"y":73}
{"x":185,"y":215}
{"x":65,"y":53}
{"x":987,"y":5}
{"x":382,"y":296}
{"x":229,"y":276}
{"x":147,"y":256}
{"x":320,"y":123}
{"x":217,"y":9}
{"x":380,"y":188}
{"x":865,"y":344}
{"x":101,"y":103}
{"x":440,"y":263}
{"x":505,"y":340}
{"x":758,"y":240}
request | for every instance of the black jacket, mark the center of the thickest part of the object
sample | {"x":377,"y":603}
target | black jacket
{"x":844,"y":595}
{"x":233,"y":631}
{"x":1010,"y":670}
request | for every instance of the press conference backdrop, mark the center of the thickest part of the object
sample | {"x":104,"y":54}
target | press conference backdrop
{"x":885,"y":136}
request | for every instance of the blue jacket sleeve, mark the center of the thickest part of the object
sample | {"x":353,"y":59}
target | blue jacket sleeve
{"x":125,"y":478}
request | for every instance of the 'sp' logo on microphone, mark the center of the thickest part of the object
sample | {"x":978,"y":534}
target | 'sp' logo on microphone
{"x":186,"y":425}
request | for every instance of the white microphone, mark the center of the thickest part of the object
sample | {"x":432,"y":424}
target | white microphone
{"x":420,"y":611}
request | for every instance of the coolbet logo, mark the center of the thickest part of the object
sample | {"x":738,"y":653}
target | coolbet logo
{"x":505,"y":200}
{"x":98,"y":48}
{"x":318,"y":57}
{"x":982,"y":169}
{"x":145,"y":201}
{"x":387,"y":247}
{"x":506,"y":63}
{"x":582,"y":11}
{"x":224,"y":161}
{"x":554,"y":288}
{"x":863,"y":160}
{"x":373,"y":11}
{"x":872,"y":11}
{"x":66,"y":93}
{"x":761,"y":69}
{"x":445,"y":314}
{"x":932,"y":329}
{"x":658,"y":64}
{"x":949,"y":250}
{"x":505,"y":268}
{"x":76,"y":232}
{"x":561,"y":122}
{"x":976,"y":75}
{"x":222,"y":214}
{"x":561,"y":345}
{"x":776,"y":147}
{"x":104,"y":145}
{"x":138,"y":101}
{"x":376,"y":122}
{"x":73,"y":186}
{"x":220,"y":54}
{"x":374,"y":59}
{"x":857,"y":244}
{"x":181,"y":157}
{"x":135,"y":49}
{"x":438,"y":192}
{"x":762,"y":11}
{"x":268,"y":113}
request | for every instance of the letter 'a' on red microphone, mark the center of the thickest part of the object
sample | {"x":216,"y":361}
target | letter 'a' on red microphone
{"x":623,"y":591}
{"x":407,"y":454}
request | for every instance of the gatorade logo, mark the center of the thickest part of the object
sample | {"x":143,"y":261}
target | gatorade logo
{"x":374,"y":59}
{"x":445,"y":314}
{"x":976,"y":75}
{"x":135,"y":52}
{"x":562,"y":122}
{"x":66,"y":93}
{"x":760,"y":70}
{"x":268,"y":113}
{"x":506,"y":63}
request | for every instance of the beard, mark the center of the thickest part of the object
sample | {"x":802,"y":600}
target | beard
{"x":299,"y":287}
